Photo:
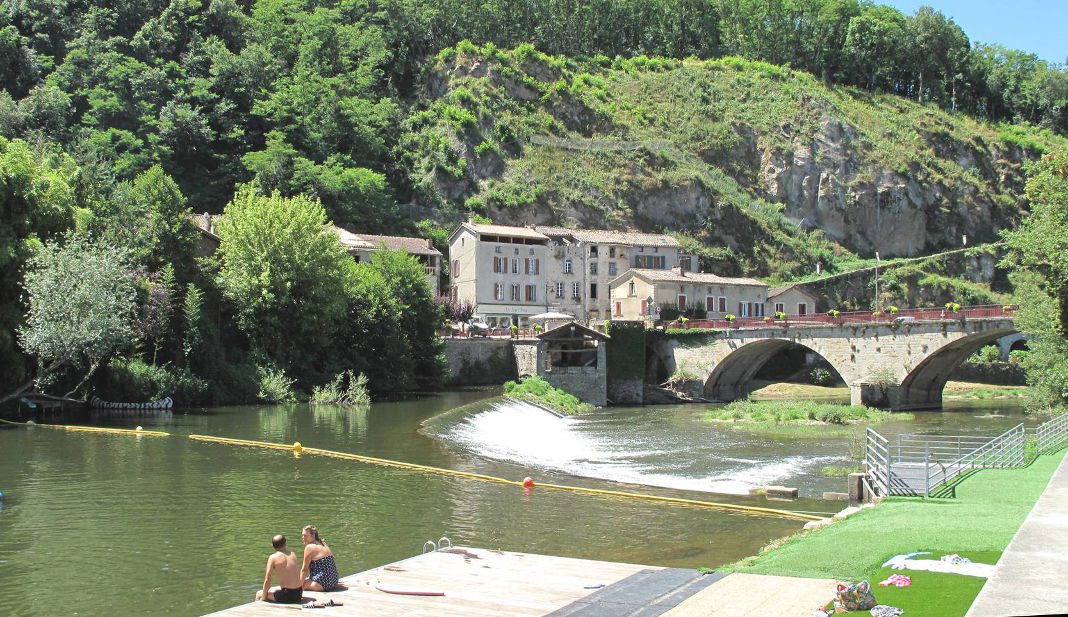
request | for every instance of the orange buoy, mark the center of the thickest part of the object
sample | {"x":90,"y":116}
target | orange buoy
{"x":528,"y":482}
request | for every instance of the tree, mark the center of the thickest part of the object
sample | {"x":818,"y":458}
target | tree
{"x":81,"y":308}
{"x":282,"y":269}
{"x":1038,"y":249}
{"x":151,"y":218}
{"x":36,"y":204}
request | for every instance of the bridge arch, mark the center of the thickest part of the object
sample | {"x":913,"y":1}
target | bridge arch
{"x":733,"y":374}
{"x":922,"y":386}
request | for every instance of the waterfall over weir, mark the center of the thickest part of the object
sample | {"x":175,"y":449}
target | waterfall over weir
{"x":665,"y":447}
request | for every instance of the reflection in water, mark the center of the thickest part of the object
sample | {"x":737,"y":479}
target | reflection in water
{"x":184,"y":526}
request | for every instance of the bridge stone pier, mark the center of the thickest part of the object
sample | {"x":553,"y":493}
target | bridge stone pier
{"x":888,"y":365}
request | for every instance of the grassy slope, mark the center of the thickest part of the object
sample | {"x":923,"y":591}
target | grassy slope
{"x":989,"y":508}
{"x":527,"y":137}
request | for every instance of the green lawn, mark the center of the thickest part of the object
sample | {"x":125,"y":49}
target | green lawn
{"x":979,"y":523}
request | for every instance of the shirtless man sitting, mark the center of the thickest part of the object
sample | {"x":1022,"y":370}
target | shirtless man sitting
{"x":282,"y":562}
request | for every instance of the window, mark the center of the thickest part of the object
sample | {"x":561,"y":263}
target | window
{"x":455,"y":268}
{"x":500,"y":265}
{"x":722,"y":304}
{"x":515,"y":251}
{"x":496,"y":249}
{"x":515,"y":265}
{"x":515,"y":292}
{"x":498,"y":291}
{"x":612,"y":268}
{"x":612,"y":251}
{"x":682,"y":302}
{"x":802,"y":308}
{"x":567,"y":266}
{"x":656,"y":262}
{"x":560,"y":290}
{"x":576,"y":290}
{"x":593,"y":267}
{"x":532,"y":293}
{"x":632,"y":290}
{"x":743,"y":309}
{"x":593,"y":251}
{"x":780,"y":307}
{"x":619,"y":309}
{"x":593,"y":290}
{"x":532,"y":265}
{"x":710,"y":304}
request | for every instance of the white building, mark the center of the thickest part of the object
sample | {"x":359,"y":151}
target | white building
{"x":583,"y":263}
{"x":501,"y":270}
{"x":571,"y":269}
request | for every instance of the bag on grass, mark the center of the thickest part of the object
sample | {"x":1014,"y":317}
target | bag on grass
{"x":856,"y":597}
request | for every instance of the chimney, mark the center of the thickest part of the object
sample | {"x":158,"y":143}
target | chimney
{"x":677,"y":270}
{"x":205,"y":222}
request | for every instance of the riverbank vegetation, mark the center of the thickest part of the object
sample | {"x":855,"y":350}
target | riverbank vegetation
{"x":987,"y":511}
{"x":803,"y":412}
{"x":537,"y":390}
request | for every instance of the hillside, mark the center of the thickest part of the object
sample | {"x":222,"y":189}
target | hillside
{"x":767,"y":168}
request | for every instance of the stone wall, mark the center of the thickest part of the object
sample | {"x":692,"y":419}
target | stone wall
{"x":586,"y":382}
{"x":525,"y":357}
{"x":479,"y":361}
{"x":996,"y":373}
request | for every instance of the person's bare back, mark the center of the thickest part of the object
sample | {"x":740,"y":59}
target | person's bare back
{"x":283,"y":564}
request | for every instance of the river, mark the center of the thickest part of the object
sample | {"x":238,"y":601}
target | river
{"x":97,"y":524}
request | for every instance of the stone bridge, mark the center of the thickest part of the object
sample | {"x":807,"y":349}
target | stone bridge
{"x":885,"y":364}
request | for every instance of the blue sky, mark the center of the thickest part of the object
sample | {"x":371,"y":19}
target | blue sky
{"x":1036,"y":26}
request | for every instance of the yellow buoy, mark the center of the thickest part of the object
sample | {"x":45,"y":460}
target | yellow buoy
{"x":297,"y":447}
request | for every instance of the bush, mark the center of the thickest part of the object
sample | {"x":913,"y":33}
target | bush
{"x":136,"y":381}
{"x":539,"y":391}
{"x":669,"y":311}
{"x":344,"y":389}
{"x":986,"y":355}
{"x":275,"y":387}
{"x":819,"y":377}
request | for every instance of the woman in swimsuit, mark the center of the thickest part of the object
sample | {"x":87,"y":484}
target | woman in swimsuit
{"x":319,"y":571}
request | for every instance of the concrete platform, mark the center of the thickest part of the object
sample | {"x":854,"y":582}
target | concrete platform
{"x":1031,"y":577}
{"x":476,"y":582}
{"x":487,"y":583}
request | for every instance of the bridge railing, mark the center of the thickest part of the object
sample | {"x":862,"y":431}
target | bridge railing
{"x":985,"y":311}
{"x":1052,"y":434}
{"x":920,"y":464}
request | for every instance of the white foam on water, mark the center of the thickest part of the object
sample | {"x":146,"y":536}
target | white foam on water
{"x":523,"y":434}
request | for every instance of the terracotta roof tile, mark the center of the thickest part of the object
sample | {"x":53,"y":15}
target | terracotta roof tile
{"x":412,"y":246}
{"x":607,"y":236}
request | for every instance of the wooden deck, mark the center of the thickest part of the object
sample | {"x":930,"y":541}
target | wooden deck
{"x":476,"y":583}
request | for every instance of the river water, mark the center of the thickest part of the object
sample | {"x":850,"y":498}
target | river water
{"x":98,"y":524}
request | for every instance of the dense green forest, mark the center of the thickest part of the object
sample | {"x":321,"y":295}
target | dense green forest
{"x":119,"y":119}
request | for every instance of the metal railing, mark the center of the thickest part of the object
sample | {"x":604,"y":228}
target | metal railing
{"x":903,"y":316}
{"x":1051,"y":434}
{"x":920,"y":464}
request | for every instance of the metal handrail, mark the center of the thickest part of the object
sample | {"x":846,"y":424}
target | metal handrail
{"x":1052,"y":434}
{"x":940,"y":463}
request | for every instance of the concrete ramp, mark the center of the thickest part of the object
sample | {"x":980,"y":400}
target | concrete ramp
{"x":757,"y":595}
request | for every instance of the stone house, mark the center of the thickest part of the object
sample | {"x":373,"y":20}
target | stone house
{"x":360,"y":246}
{"x":420,"y":248}
{"x":792,"y":300}
{"x":571,"y":357}
{"x":583,"y":263}
{"x":501,"y":270}
{"x":640,"y":294}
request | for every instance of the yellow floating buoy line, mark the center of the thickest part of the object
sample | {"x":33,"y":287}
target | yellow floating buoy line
{"x":297,"y":448}
{"x":91,"y":429}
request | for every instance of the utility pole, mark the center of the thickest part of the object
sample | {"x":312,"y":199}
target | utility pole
{"x":877,"y":310}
